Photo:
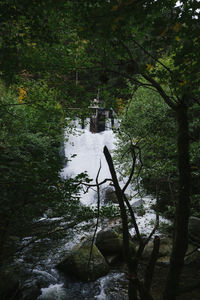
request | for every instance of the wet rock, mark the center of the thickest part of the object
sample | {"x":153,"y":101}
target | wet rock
{"x":112,"y":260}
{"x":194,"y":230}
{"x":165,"y":251}
{"x":110,"y":195}
{"x":76,"y":262}
{"x":109,"y":242}
{"x":31,"y":290}
{"x":138,"y":203}
{"x":114,"y":223}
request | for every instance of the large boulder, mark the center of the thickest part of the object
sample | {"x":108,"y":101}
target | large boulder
{"x":194,"y":230}
{"x":76,"y":262}
{"x":109,"y":242}
{"x":110,"y":195}
{"x":165,"y":251}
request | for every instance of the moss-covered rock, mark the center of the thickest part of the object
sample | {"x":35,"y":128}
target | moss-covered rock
{"x":109,"y":242}
{"x":76,"y":263}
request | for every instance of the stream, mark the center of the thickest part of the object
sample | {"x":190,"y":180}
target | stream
{"x":44,"y":281}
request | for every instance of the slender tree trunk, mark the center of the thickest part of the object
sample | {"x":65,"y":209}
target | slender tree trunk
{"x":119,"y":194}
{"x":180,"y":240}
{"x":135,"y":285}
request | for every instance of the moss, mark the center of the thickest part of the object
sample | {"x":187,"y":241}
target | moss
{"x":76,"y":263}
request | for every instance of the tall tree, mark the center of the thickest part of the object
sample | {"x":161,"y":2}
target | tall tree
{"x":131,"y":37}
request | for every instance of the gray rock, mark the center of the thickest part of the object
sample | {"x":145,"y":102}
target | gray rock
{"x":109,"y":242}
{"x":138,"y":203}
{"x":165,"y":251}
{"x":76,"y":262}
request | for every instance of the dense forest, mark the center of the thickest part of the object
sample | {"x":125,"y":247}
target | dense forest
{"x":142,"y":57}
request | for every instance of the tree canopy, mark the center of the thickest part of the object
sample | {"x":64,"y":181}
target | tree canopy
{"x":142,"y":57}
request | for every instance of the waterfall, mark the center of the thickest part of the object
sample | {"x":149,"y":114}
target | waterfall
{"x":84,"y":151}
{"x":87,"y":147}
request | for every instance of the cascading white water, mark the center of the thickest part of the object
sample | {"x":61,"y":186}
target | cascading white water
{"x":88,"y":148}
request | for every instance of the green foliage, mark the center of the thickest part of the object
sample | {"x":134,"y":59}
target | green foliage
{"x":140,"y":210}
{"x":148,"y":123}
{"x":31,"y":122}
{"x":109,"y":211}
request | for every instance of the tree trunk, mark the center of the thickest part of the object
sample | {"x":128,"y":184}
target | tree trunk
{"x":119,"y":194}
{"x":180,"y":239}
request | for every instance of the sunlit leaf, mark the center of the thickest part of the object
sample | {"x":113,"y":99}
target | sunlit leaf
{"x":149,"y":66}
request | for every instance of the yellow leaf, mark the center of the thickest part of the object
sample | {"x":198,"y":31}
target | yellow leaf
{"x":80,"y":28}
{"x":178,"y":38}
{"x":21,"y":34}
{"x":177,"y":27}
{"x":149,"y":67}
{"x":22,"y":94}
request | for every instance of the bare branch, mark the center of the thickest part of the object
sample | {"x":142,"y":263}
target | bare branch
{"x":153,"y":57}
{"x":93,"y":185}
{"x":160,"y":90}
{"x":98,"y":214}
{"x":132,"y":168}
{"x":120,"y":198}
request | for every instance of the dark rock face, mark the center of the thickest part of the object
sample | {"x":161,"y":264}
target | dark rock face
{"x":194,"y":230}
{"x":76,"y":263}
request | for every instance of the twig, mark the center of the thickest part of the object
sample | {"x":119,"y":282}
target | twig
{"x":153,"y":57}
{"x":132,"y":169}
{"x":98,"y":214}
{"x":93,"y":185}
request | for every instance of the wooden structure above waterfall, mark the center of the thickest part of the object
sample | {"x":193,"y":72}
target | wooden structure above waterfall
{"x":99,"y":115}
